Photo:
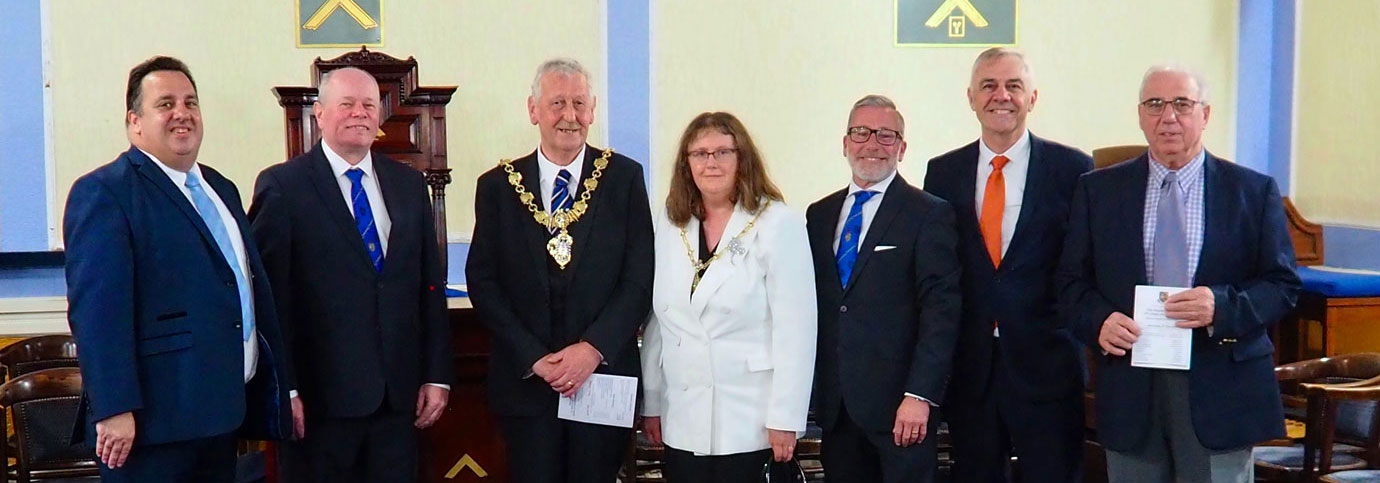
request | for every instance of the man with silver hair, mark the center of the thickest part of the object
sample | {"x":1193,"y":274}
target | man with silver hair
{"x":1213,"y":232}
{"x":560,"y":270}
{"x":350,"y":248}
{"x":886,"y":279}
{"x":1018,"y":372}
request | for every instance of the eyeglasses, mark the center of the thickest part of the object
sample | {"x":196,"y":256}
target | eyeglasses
{"x":1182,"y":105}
{"x":885,"y":137}
{"x":725,"y":154}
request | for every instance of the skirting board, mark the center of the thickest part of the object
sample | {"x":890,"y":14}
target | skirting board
{"x":22,"y":316}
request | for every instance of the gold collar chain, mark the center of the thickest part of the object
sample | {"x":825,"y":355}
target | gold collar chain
{"x":561,"y":246}
{"x":733,"y":246}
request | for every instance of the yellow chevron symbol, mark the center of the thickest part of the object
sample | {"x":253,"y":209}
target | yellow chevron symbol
{"x":466,"y":462}
{"x":353,"y":9}
{"x":966,"y":6}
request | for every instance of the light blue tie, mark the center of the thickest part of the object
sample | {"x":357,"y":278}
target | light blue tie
{"x":848,"y":240}
{"x":211,"y":216}
{"x":1171,"y":243}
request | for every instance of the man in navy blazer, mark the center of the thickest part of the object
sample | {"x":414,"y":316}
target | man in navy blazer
{"x":886,"y":278}
{"x":178,"y":341}
{"x":1018,"y":372}
{"x":1181,"y":217}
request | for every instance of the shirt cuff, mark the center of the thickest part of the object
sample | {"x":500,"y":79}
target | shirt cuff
{"x":931,"y":403}
{"x":442,"y":386}
{"x":292,"y":393}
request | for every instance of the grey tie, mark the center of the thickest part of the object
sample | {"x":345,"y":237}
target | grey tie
{"x":1170,"y":245}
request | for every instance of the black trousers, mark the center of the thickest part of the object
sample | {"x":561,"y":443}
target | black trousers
{"x":210,"y":460}
{"x":851,"y":454}
{"x":684,"y":466}
{"x":379,"y":447}
{"x":1046,"y":436}
{"x":545,"y":449}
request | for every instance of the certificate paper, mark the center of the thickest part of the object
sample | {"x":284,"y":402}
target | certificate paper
{"x":603,"y":399}
{"x":1161,"y":345}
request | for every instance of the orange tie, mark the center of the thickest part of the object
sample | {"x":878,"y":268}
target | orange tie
{"x":993,"y":203}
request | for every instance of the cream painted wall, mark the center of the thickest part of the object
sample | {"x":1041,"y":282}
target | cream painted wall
{"x":790,"y":71}
{"x":1335,"y":168}
{"x":239,"y":50}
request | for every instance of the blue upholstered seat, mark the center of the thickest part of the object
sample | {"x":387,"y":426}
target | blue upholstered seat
{"x":1290,"y":458}
{"x":1353,"y":476}
{"x":1332,"y":282}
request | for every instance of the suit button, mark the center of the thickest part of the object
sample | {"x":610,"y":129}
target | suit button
{"x":843,"y":309}
{"x":230,"y":283}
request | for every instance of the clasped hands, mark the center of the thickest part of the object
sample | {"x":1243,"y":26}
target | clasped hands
{"x":1193,"y":308}
{"x":566,"y":370}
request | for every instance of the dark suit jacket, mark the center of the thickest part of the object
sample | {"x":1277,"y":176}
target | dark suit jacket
{"x":357,"y":335}
{"x":610,"y":289}
{"x":1042,"y":357}
{"x":892,"y":331}
{"x":1248,"y":262}
{"x":155,"y":310}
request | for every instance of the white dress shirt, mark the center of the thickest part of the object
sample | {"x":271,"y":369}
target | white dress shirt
{"x":370,"y":182}
{"x":232,"y":228}
{"x":1014,"y":174}
{"x":549,"y":170}
{"x":869,"y":209}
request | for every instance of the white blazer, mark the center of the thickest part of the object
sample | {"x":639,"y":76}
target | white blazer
{"x":737,"y":357}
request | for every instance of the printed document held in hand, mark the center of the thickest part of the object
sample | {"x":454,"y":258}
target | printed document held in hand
{"x":1161,"y":345}
{"x":603,"y":399}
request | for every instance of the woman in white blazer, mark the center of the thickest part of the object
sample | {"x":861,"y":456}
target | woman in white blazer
{"x":729,"y":350}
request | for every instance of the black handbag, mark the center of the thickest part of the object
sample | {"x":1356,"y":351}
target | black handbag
{"x":788,"y":472}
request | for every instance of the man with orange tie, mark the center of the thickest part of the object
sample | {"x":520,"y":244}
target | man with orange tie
{"x":1018,"y":373}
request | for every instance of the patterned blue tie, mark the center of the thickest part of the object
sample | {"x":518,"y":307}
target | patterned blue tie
{"x":560,"y":193}
{"x":848,"y":240}
{"x":364,"y":218}
{"x":1171,"y":243}
{"x":211,"y":216}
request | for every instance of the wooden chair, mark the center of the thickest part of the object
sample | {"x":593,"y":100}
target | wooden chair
{"x":45,"y":407}
{"x":1104,"y":157}
{"x":38,"y":353}
{"x":1326,"y":405}
{"x":1288,"y":461}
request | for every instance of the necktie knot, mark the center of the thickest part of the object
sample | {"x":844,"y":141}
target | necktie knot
{"x":355,"y":174}
{"x":563,"y":176}
{"x":192,"y":180}
{"x":999,"y":162}
{"x":863,"y":196}
{"x":1171,"y":179}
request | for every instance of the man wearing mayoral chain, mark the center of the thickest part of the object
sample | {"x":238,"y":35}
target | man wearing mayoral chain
{"x":560,"y":270}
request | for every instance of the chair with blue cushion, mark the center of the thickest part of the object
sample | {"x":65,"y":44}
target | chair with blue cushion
{"x":1333,"y":402}
{"x":1338,"y":432}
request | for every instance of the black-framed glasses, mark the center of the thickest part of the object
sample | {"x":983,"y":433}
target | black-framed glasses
{"x":1154,"y":106}
{"x":725,"y":154}
{"x":885,"y":137}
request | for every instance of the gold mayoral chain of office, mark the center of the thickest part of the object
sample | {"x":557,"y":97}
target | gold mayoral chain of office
{"x":734,"y":246}
{"x":561,"y":246}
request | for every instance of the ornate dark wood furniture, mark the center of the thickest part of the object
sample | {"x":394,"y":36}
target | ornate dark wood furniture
{"x":44,"y":403}
{"x":38,"y":353}
{"x":1306,"y":386}
{"x":464,"y":446}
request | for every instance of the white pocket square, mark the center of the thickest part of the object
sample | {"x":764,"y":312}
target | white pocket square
{"x":882,"y":248}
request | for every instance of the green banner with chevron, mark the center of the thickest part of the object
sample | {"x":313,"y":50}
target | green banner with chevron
{"x":956,"y":23}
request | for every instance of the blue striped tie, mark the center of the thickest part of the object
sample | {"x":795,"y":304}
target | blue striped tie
{"x":560,"y":193}
{"x":364,"y":218}
{"x":848,"y":240}
{"x":207,"y":209}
